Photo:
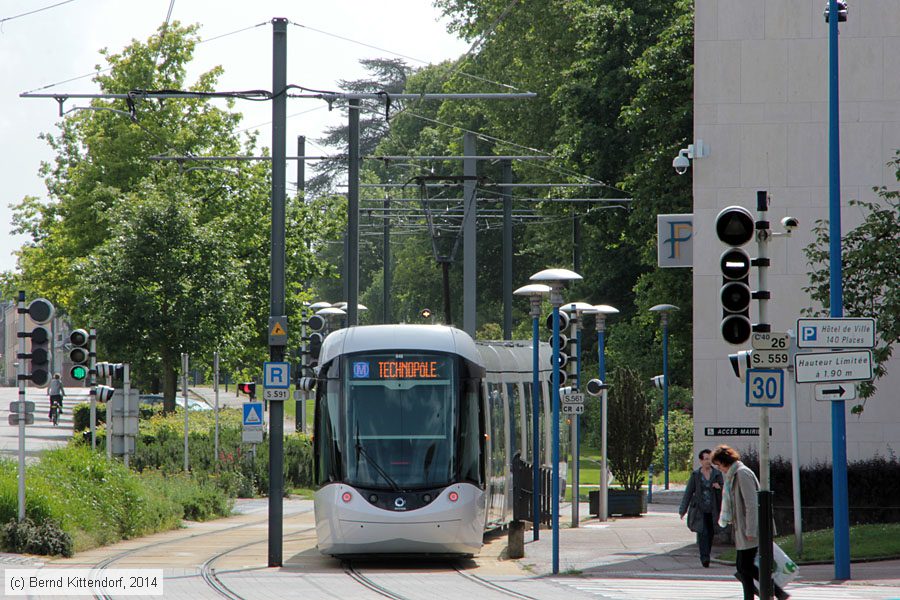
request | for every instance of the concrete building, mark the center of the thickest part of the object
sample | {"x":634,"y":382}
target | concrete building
{"x":761,"y":109}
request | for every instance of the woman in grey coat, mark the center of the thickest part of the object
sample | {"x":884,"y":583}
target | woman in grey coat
{"x":740,"y":509}
{"x":702,"y":501}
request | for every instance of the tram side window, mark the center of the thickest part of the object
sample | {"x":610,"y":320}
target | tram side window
{"x":471,"y":439}
{"x":328,"y":459}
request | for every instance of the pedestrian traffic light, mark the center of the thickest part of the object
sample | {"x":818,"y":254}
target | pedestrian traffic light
{"x":841,"y":8}
{"x":658,"y":381}
{"x":248,"y":388}
{"x":735,"y":227}
{"x":41,"y":311}
{"x":314,"y":347}
{"x":79,"y":354}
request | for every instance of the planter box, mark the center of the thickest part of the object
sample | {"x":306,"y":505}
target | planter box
{"x":620,"y":502}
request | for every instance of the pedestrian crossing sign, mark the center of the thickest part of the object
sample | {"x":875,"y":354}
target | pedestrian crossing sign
{"x":253,"y":415}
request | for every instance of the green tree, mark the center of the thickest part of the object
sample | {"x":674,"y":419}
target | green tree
{"x":870,"y":268}
{"x":163,"y":284}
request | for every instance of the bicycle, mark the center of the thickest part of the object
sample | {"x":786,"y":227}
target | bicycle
{"x":55,"y":409}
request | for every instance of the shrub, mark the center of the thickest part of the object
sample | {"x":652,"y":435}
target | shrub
{"x":681,"y":443}
{"x":27,"y":537}
{"x":873,"y":489}
{"x":631,"y":434}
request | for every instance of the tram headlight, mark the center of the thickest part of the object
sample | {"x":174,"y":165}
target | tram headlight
{"x":346,"y":496}
{"x":373,"y":498}
{"x":426,"y":498}
{"x":453,"y":496}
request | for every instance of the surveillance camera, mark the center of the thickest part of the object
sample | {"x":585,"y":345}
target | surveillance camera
{"x":790,"y":223}
{"x":681,"y":163}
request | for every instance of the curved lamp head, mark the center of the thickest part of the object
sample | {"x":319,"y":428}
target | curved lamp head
{"x":662,"y":308}
{"x":551,"y":276}
{"x":606,"y":309}
{"x":532,"y":289}
{"x":320,"y":305}
{"x":332,"y":312}
{"x":578,"y":307}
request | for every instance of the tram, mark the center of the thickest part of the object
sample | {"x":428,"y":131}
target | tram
{"x":415,"y":430}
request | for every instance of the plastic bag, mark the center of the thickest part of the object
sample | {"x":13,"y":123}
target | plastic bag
{"x":784,"y":569}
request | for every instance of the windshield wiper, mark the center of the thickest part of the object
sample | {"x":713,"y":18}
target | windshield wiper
{"x":361,"y":450}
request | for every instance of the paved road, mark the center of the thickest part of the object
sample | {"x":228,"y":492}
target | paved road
{"x":42,"y":434}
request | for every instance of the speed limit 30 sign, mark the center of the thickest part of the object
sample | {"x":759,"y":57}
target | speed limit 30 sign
{"x":764,"y":387}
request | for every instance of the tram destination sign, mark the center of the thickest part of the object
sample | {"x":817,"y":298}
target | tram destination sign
{"x":823,"y":367}
{"x":851,"y":332}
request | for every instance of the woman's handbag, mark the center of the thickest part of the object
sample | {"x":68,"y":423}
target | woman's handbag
{"x":784,"y":569}
{"x":694,"y":518}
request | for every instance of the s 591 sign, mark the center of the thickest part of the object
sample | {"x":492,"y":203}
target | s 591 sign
{"x":769,"y":359}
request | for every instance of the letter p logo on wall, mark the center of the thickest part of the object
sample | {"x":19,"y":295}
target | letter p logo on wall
{"x":675,"y":240}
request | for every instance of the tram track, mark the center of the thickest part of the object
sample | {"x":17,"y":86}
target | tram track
{"x":369,"y":582}
{"x":111,"y":560}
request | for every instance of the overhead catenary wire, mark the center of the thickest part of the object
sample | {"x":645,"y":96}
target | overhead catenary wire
{"x":37,"y":10}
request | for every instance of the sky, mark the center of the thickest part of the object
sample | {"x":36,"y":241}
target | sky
{"x":62,"y":43}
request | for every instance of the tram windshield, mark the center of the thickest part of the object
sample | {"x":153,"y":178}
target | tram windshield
{"x":400,"y":419}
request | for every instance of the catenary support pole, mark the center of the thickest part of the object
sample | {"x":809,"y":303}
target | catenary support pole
{"x":353,"y":216}
{"x":795,"y":456}
{"x":665,"y":327}
{"x":387,"y":268}
{"x":574,"y":420}
{"x":506,"y":192}
{"x":127,"y":436}
{"x":470,"y":320}
{"x":555,"y":391}
{"x":276,"y":287}
{"x":840,"y":495}
{"x":601,"y":373}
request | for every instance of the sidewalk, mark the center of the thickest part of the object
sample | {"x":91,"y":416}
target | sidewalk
{"x":657,"y":544}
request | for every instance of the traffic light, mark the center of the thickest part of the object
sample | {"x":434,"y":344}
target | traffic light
{"x":114,"y":370}
{"x":79,"y":354}
{"x":104,"y":393}
{"x":425,"y":313}
{"x":563,"y":344}
{"x":740,"y":362}
{"x":842,"y":10}
{"x":40,"y":311}
{"x":658,"y":381}
{"x":248,"y":388}
{"x":735,"y":227}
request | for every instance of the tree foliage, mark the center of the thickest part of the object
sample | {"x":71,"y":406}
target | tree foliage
{"x":871,"y":247}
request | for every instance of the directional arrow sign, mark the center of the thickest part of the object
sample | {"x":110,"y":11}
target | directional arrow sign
{"x":835,"y":391}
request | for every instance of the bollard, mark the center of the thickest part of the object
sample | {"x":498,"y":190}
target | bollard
{"x":515,"y":547}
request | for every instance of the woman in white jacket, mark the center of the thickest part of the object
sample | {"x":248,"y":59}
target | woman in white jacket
{"x":740,"y":509}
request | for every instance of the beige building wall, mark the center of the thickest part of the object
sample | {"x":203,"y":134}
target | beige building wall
{"x":760,"y":106}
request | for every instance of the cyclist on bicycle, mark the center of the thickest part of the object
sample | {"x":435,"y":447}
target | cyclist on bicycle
{"x":56,"y":391}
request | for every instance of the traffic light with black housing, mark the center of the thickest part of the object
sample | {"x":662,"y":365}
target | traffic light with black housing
{"x":735,"y":227}
{"x":248,"y":388}
{"x":563,"y":344}
{"x":79,"y":354}
{"x":41,"y":311}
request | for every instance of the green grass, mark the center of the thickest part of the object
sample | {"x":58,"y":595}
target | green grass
{"x":878,"y":540}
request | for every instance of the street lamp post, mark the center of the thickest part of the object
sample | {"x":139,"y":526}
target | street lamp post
{"x":663,"y":310}
{"x":535,"y":293}
{"x":556,"y":279}
{"x":603,"y":311}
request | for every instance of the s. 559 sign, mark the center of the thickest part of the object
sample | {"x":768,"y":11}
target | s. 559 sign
{"x":769,"y":359}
